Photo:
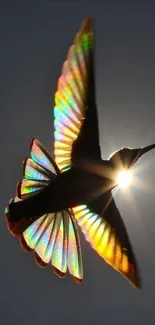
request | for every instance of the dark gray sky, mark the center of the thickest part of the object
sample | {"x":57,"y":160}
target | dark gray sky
{"x":34,"y":39}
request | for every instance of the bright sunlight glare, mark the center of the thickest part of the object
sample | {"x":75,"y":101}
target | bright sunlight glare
{"x":124,"y":178}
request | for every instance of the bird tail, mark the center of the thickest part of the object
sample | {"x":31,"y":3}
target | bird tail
{"x":53,"y":237}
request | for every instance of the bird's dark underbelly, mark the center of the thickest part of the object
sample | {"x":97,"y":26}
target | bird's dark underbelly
{"x":74,"y":187}
{"x":69,"y":189}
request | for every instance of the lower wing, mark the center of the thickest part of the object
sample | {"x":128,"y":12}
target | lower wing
{"x":104,"y":229}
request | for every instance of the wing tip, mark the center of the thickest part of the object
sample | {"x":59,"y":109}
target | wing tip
{"x":32,"y":142}
{"x":24,"y":245}
{"x":18,"y":189}
{"x":39,"y":261}
{"x":59,"y":273}
{"x":85,"y":27}
{"x":24,"y":165}
{"x":135,"y":281}
{"x":133,"y":276}
{"x":10,"y":227}
{"x":87,"y":23}
{"x":7,"y":216}
{"x":78,"y":280}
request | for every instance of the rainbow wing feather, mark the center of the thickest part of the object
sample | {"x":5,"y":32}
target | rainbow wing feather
{"x":71,"y":96}
{"x":104,"y":240}
{"x":53,"y":237}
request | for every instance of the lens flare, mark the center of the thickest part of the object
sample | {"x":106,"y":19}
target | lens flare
{"x":124,"y":178}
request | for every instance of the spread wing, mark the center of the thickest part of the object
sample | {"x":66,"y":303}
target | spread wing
{"x":53,"y":237}
{"x":106,"y":233}
{"x":75,"y":115}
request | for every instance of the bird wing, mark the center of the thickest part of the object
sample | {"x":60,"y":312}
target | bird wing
{"x":75,"y":114}
{"x":104,"y":229}
{"x":52,"y":237}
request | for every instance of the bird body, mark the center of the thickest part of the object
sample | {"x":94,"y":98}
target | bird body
{"x":74,"y":187}
{"x":54,"y":196}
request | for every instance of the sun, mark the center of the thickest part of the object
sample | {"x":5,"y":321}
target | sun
{"x":124,"y":178}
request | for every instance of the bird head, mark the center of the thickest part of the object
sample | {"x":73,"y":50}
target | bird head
{"x":127,"y":157}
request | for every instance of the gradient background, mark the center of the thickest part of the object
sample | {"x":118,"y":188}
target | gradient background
{"x":34,"y":39}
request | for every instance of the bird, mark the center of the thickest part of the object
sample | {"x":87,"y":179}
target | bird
{"x":57,"y":196}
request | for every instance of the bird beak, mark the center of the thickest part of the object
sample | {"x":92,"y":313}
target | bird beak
{"x":140,"y":152}
{"x":146,"y":149}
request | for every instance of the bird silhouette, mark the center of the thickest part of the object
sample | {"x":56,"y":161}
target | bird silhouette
{"x":54,"y":196}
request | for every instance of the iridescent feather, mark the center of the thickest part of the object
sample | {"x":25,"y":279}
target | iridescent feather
{"x":54,"y":236}
{"x":103,"y":239}
{"x":70,"y":98}
{"x":54,"y":239}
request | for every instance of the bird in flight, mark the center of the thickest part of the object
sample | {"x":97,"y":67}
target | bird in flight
{"x":54,"y":197}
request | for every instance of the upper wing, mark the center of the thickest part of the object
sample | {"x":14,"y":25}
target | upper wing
{"x":75,"y":115}
{"x":105,"y":231}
